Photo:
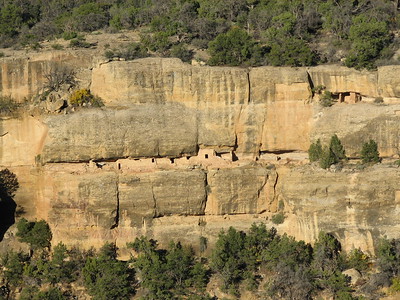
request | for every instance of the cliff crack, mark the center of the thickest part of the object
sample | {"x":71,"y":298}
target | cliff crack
{"x":155,"y":213}
{"x":260,"y":136}
{"x":274,"y":187}
{"x":311,"y":84}
{"x":104,"y":63}
{"x":116,"y":218}
{"x":262,"y":187}
{"x":236,"y":131}
{"x":249,"y":87}
{"x":207,"y":191}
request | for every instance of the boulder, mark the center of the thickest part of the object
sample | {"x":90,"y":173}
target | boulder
{"x":355,"y":276}
{"x":56,"y":105}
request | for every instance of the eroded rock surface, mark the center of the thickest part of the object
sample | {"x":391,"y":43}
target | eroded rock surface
{"x":338,"y":79}
{"x":241,"y":190}
{"x":181,"y":151}
{"x":141,"y":131}
{"x":357,"y":124}
{"x":162,"y":193}
{"x":22,"y":78}
{"x":358,"y":205}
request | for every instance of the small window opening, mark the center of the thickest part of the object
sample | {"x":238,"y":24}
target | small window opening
{"x":206,"y":156}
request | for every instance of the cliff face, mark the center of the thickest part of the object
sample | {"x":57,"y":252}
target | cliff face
{"x":250,"y":111}
{"x":181,"y":151}
{"x":86,"y":205}
{"x":263,"y":109}
{"x":359,"y":206}
{"x":22,"y":77}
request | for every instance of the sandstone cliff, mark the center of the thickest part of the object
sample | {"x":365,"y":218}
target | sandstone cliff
{"x":181,"y":151}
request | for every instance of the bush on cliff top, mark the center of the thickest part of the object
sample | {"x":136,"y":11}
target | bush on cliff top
{"x":83,"y":97}
{"x":295,"y":32}
{"x":233,"y":48}
{"x":369,"y":37}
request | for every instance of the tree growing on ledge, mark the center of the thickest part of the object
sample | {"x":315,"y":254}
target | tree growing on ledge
{"x":337,"y":149}
{"x":327,"y":156}
{"x":370,"y":153}
{"x":315,"y":151}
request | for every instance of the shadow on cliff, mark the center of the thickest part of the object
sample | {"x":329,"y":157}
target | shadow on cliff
{"x":7,"y":214}
{"x":8,"y":186}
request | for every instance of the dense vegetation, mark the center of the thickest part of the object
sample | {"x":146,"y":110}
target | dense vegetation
{"x":261,"y":260}
{"x":235,"y":32}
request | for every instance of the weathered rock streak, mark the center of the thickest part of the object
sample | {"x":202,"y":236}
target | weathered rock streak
{"x":181,"y":151}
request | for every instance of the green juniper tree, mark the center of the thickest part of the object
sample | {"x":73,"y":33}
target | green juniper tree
{"x":36,"y":234}
{"x":227,"y":259}
{"x":330,"y":155}
{"x":8,"y":183}
{"x":327,"y":156}
{"x":369,"y":152}
{"x":337,"y":149}
{"x":369,"y":37}
{"x":233,"y":48}
{"x":315,"y":151}
{"x":105,"y":277}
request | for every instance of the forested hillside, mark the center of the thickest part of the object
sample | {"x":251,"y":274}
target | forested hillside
{"x":260,"y":262}
{"x":359,"y":33}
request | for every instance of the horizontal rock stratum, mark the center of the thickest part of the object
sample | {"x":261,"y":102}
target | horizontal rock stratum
{"x":181,"y":151}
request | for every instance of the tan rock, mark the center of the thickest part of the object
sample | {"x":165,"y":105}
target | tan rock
{"x":227,"y":113}
{"x":161,"y":109}
{"x":270,"y":84}
{"x":56,"y":105}
{"x":354,"y":275}
{"x":24,"y":77}
{"x":388,"y":81}
{"x":21,"y":140}
{"x":82,"y":204}
{"x":287,"y":127}
{"x":338,"y":79}
{"x":240,"y":190}
{"x":282,"y":94}
{"x":357,"y":124}
{"x":85,"y":200}
{"x":162,"y":193}
{"x":141,"y":131}
{"x":263,"y":109}
{"x":357,"y":206}
{"x":157,"y":80}
{"x":216,"y":94}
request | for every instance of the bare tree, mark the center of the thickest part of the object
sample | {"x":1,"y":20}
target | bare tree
{"x":58,"y":76}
